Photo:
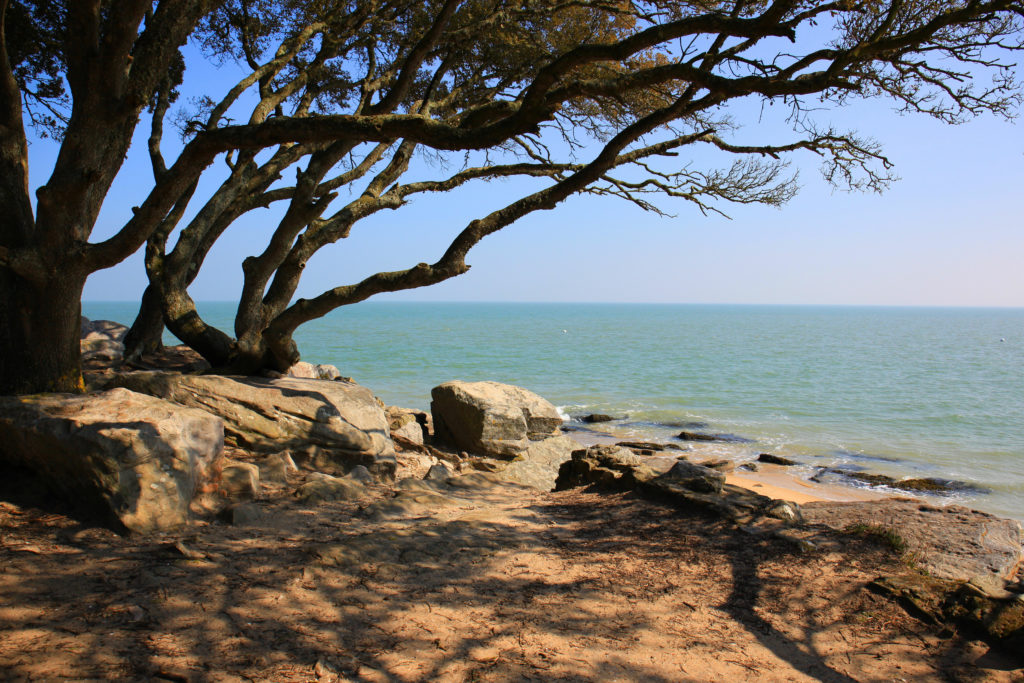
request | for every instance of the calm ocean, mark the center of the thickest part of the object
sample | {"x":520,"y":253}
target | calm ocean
{"x":922,"y":392}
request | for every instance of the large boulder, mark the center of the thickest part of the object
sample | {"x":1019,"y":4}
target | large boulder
{"x":139,"y":457}
{"x":340,"y":420}
{"x":490,"y":418}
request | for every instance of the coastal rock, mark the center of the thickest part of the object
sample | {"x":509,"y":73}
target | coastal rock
{"x":303,"y":370}
{"x":240,"y":480}
{"x":139,"y":457}
{"x":329,"y":372}
{"x":607,"y":468}
{"x":595,"y":417}
{"x":932,"y":485}
{"x":700,"y":436}
{"x":489,"y":418}
{"x":101,"y":349}
{"x":538,"y":465}
{"x":949,"y":542}
{"x":937,"y":601}
{"x":323,"y":488}
{"x":407,"y":423}
{"x":103,"y":330}
{"x":693,"y":477}
{"x":649,"y":446}
{"x":341,"y":419}
{"x":776,"y":460}
{"x":277,"y":466}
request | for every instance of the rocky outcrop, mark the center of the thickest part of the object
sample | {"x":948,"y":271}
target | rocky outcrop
{"x":603,"y":468}
{"x":102,"y":339}
{"x":138,"y":457}
{"x":340,"y":419}
{"x":489,"y":418}
{"x":949,"y":542}
{"x":940,"y":601}
{"x":685,"y":485}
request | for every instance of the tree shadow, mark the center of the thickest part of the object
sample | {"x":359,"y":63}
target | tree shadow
{"x":563,"y":587}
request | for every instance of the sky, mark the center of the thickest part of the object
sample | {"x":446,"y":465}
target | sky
{"x":949,"y":233}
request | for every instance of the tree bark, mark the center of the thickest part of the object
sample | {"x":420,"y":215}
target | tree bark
{"x":146,"y":333}
{"x":40,"y":332}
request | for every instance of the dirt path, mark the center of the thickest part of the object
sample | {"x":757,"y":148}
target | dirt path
{"x":488,"y":583}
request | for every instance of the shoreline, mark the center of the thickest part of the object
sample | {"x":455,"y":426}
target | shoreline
{"x":775,"y":481}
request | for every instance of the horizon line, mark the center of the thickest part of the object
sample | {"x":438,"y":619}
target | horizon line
{"x":624,"y":303}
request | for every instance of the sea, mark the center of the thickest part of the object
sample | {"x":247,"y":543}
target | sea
{"x":905,"y":392}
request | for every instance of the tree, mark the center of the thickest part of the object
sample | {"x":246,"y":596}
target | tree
{"x":347,"y":93}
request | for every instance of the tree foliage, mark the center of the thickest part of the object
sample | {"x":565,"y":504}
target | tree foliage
{"x":605,"y":97}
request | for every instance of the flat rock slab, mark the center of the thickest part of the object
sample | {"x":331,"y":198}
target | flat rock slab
{"x":275,"y":414}
{"x":950,"y":542}
{"x":139,"y":457}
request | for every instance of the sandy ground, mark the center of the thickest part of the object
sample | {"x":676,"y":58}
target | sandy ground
{"x":491,"y":584}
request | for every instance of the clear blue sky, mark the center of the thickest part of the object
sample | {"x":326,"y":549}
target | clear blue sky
{"x":951,"y":232}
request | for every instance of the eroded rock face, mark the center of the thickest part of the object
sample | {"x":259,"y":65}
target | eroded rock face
{"x":139,"y":457}
{"x":490,"y":418}
{"x":271,"y":415}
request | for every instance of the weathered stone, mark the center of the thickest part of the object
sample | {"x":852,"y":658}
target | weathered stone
{"x":103,"y":329}
{"x":274,"y":414}
{"x":596,"y":417}
{"x":361,"y":474}
{"x":439,"y":472}
{"x":649,"y":446}
{"x":489,"y":418}
{"x":776,"y":460}
{"x":323,"y":488}
{"x":101,"y":349}
{"x":240,"y":480}
{"x":328,"y":372}
{"x":700,"y":436}
{"x":610,"y":468}
{"x":693,"y":477}
{"x":537,"y":467}
{"x":277,"y":466}
{"x":404,"y":422}
{"x":137,"y":456}
{"x":410,"y":430}
{"x":950,"y":542}
{"x":303,"y":370}
{"x":339,"y":462}
{"x":936,"y":601}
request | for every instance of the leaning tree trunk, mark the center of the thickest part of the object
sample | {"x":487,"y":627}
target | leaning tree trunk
{"x":147,"y":332}
{"x":40,"y":332}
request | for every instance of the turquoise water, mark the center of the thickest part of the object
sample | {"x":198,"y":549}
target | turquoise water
{"x":900,"y":391}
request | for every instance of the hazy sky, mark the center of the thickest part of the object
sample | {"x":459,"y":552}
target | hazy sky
{"x":951,"y":232}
